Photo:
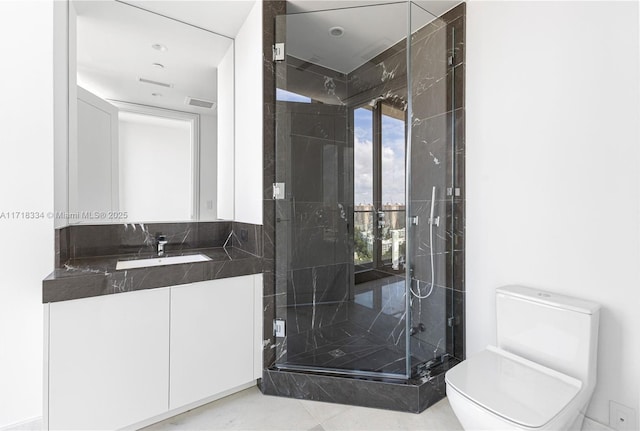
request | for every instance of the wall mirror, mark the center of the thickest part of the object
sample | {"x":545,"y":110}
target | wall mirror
{"x":146,"y":93}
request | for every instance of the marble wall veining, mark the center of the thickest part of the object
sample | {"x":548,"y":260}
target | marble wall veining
{"x":80,"y":241}
{"x":314,"y":268}
{"x":97,"y":276}
{"x":247,"y":237}
{"x":438,"y":148}
{"x":270,"y":10}
{"x":412,"y":397}
{"x":87,"y":255}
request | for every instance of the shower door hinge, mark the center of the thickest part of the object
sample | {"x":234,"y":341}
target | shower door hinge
{"x":278,"y":51}
{"x":413,"y":220}
{"x":450,"y":60}
{"x":452,"y":321}
{"x":278,"y":191}
{"x":278,"y":328}
{"x":453,"y":191}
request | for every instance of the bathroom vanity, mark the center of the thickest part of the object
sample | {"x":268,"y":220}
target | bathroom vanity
{"x":130,"y":347}
{"x":135,"y":329}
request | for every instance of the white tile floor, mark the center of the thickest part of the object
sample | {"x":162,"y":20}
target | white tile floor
{"x":250,"y":410}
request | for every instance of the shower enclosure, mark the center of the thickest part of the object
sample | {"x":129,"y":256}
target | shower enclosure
{"x":368,"y":192}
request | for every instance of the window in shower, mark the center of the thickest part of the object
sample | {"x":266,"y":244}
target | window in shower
{"x":379,"y":187}
{"x":392,"y":180}
{"x":363,"y":212}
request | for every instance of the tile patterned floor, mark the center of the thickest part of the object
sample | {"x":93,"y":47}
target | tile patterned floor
{"x":250,"y":410}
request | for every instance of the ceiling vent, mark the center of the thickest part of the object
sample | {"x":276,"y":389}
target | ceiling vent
{"x":200,"y":103}
{"x":151,"y":81}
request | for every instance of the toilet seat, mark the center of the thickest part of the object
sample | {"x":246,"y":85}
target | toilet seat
{"x":513,"y":388}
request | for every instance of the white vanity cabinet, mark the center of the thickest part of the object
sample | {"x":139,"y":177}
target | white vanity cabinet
{"x":131,"y":359}
{"x":108,"y":360}
{"x":210,"y":349}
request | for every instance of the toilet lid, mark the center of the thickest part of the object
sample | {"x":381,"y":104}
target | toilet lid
{"x":512,"y":387}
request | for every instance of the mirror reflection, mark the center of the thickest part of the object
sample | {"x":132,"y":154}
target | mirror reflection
{"x":145,"y":143}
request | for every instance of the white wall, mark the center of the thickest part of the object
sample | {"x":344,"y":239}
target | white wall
{"x":248,"y":152}
{"x":553,"y":169}
{"x":226,"y":131}
{"x":26,"y":184}
{"x":155,"y":168}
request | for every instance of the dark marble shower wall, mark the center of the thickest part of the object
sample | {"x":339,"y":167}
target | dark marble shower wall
{"x":442,"y":120}
{"x":438,"y":149}
{"x":438,"y":109}
{"x":314,"y":158}
{"x":437,"y":159}
{"x":385,"y":75}
{"x":270,"y":9}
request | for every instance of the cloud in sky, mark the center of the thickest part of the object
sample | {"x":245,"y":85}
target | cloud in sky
{"x":393,"y":165}
{"x":363,"y":171}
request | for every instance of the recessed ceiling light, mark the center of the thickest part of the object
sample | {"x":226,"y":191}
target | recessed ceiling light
{"x":158,"y":65}
{"x":156,"y":94}
{"x":336,"y":31}
{"x":160,"y":47}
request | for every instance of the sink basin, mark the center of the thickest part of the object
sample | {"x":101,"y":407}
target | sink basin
{"x":159,"y":261}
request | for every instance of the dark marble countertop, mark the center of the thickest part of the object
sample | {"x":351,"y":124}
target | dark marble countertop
{"x":96,"y":276}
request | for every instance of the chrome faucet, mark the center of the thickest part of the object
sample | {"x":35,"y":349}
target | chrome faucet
{"x":161,"y":240}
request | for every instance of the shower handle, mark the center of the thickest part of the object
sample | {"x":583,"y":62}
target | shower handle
{"x":432,"y":220}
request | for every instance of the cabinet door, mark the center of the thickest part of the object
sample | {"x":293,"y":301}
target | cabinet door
{"x":212,"y":344}
{"x":108,"y":360}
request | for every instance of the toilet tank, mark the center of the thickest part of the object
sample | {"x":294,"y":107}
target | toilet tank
{"x":557,"y":331}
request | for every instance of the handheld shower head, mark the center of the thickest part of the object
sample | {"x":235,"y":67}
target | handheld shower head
{"x":433,"y":200}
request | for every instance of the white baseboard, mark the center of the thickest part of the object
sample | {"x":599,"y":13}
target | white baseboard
{"x":591,"y":425}
{"x":33,"y":424}
{"x":183,"y":409}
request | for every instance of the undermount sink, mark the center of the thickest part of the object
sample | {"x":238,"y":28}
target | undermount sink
{"x":159,"y":261}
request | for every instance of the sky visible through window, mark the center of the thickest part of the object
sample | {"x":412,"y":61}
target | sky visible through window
{"x":393,"y":149}
{"x":287,"y":96}
{"x":363,"y":156}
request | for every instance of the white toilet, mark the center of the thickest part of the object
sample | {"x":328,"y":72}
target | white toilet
{"x":543,"y":372}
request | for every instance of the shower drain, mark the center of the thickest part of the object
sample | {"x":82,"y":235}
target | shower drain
{"x":337,"y":353}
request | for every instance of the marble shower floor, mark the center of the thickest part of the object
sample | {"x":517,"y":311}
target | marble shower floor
{"x":250,"y":410}
{"x":358,"y":335}
{"x":346,"y":345}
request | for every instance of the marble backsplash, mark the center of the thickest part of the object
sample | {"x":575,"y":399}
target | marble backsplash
{"x":81,"y":241}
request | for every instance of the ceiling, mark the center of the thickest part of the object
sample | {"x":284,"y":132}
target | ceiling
{"x":435,"y":7}
{"x":370,"y":27}
{"x":115,"y":38}
{"x":114,"y":49}
{"x":224,"y":17}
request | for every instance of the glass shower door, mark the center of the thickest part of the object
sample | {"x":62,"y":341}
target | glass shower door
{"x":369,"y":260}
{"x":330,"y":67}
{"x":434,"y":189}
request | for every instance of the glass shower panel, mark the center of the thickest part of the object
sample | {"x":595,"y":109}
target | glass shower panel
{"x":338,"y":67}
{"x":431,"y":189}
